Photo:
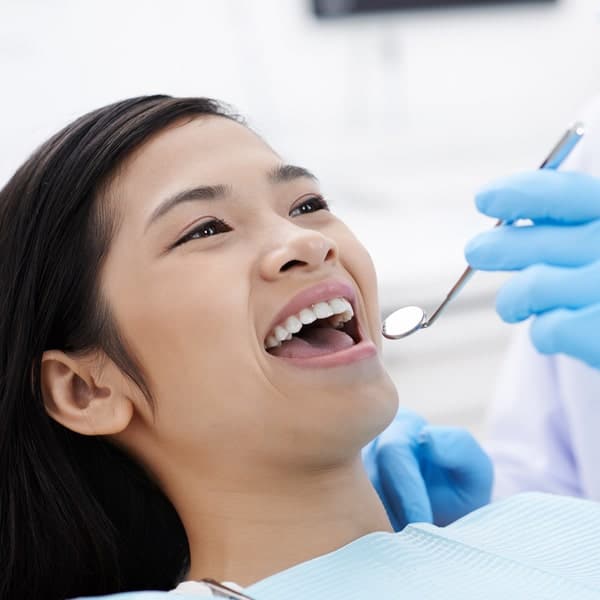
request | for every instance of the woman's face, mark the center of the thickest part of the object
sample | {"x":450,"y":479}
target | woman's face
{"x":218,"y":245}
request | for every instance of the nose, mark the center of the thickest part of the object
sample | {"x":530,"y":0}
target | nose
{"x":302,"y":249}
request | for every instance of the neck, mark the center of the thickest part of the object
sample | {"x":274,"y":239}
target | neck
{"x":246,"y":532}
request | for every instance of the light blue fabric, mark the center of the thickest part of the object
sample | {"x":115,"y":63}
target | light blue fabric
{"x":427,"y":473}
{"x":532,"y":546}
{"x":558,"y":258}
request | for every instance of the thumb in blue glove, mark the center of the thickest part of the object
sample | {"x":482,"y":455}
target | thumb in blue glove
{"x":459,"y":475}
{"x":427,"y":474}
{"x":392,"y":464}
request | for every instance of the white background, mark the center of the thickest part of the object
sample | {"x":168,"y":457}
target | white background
{"x":402,"y":116}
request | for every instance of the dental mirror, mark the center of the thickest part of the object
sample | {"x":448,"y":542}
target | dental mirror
{"x":405,"y":321}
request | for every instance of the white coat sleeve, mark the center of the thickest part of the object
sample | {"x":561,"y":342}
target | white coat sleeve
{"x":528,"y":432}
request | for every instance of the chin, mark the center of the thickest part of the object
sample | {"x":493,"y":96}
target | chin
{"x":335,"y":412}
{"x":365,"y":411}
{"x":381,"y":407}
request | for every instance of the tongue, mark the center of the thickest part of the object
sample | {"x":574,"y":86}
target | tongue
{"x":314,"y":342}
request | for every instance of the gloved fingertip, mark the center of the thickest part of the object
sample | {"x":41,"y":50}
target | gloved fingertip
{"x":497,"y":199}
{"x":549,"y":331}
{"x":429,"y":441}
{"x":476,"y":248}
{"x":541,"y":333}
{"x":506,"y":307}
{"x":404,"y":492}
{"x":485,"y":197}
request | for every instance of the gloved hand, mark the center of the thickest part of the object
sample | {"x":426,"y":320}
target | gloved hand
{"x":558,"y":257}
{"x":425,"y":473}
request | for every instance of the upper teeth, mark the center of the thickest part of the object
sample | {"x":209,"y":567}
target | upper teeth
{"x":338,"y":308}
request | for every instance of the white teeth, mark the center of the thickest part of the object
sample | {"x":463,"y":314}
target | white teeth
{"x":345,"y":313}
{"x":339,"y":309}
{"x":272,"y":342}
{"x":281,"y":333}
{"x":348,"y":312}
{"x":347,"y":305}
{"x":338,"y":305}
{"x":307,"y":316}
{"x":337,"y":321}
{"x":323,"y":310}
{"x":293,"y":324}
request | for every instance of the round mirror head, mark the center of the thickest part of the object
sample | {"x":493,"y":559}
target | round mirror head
{"x":403,"y":322}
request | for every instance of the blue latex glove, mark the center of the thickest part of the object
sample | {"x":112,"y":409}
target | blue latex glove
{"x":425,"y":473}
{"x":558,"y":258}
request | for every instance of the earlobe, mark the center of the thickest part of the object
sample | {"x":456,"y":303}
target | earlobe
{"x":80,"y":399}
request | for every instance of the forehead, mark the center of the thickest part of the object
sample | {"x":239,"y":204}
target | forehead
{"x":202,"y":151}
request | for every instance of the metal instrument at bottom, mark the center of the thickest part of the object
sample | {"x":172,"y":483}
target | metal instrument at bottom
{"x":224,"y":591}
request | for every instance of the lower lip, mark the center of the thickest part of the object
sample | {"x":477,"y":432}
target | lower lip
{"x":361,"y":351}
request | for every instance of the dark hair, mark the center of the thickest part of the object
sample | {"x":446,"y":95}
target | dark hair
{"x":77,"y":515}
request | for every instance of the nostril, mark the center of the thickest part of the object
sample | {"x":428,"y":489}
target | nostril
{"x":330,"y":254}
{"x":292,"y":263}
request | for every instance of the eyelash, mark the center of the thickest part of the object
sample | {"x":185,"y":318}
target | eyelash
{"x":321,"y":205}
{"x":218,"y":226}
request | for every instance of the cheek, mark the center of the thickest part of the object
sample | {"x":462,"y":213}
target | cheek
{"x":180,"y":318}
{"x":359,"y":264}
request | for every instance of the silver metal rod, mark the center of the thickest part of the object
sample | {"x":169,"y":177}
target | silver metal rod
{"x":224,"y":591}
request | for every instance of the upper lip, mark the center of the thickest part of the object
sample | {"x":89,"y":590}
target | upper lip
{"x":321,"y":292}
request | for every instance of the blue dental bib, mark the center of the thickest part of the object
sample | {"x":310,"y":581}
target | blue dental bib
{"x":530,"y":546}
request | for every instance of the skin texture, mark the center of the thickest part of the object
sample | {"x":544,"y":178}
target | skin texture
{"x":250,"y":449}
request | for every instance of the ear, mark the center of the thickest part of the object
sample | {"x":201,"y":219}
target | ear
{"x":86,"y":394}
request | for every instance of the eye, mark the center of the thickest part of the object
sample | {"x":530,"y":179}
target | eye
{"x":204,"y":230}
{"x":309,"y":204}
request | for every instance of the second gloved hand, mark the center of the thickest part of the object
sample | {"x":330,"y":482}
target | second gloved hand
{"x":558,"y":257}
{"x":425,"y":473}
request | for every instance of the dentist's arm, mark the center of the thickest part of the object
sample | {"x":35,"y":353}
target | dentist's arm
{"x":557,"y":258}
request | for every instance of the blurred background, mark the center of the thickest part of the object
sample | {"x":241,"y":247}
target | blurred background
{"x":402,"y":108}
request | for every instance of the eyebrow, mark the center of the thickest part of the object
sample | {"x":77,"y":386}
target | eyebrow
{"x":280,"y":174}
{"x":285,"y":173}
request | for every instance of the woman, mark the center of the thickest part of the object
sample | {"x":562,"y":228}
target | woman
{"x":159,"y":300}
{"x":201,"y":341}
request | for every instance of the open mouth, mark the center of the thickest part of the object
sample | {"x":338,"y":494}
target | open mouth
{"x":317,"y":330}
